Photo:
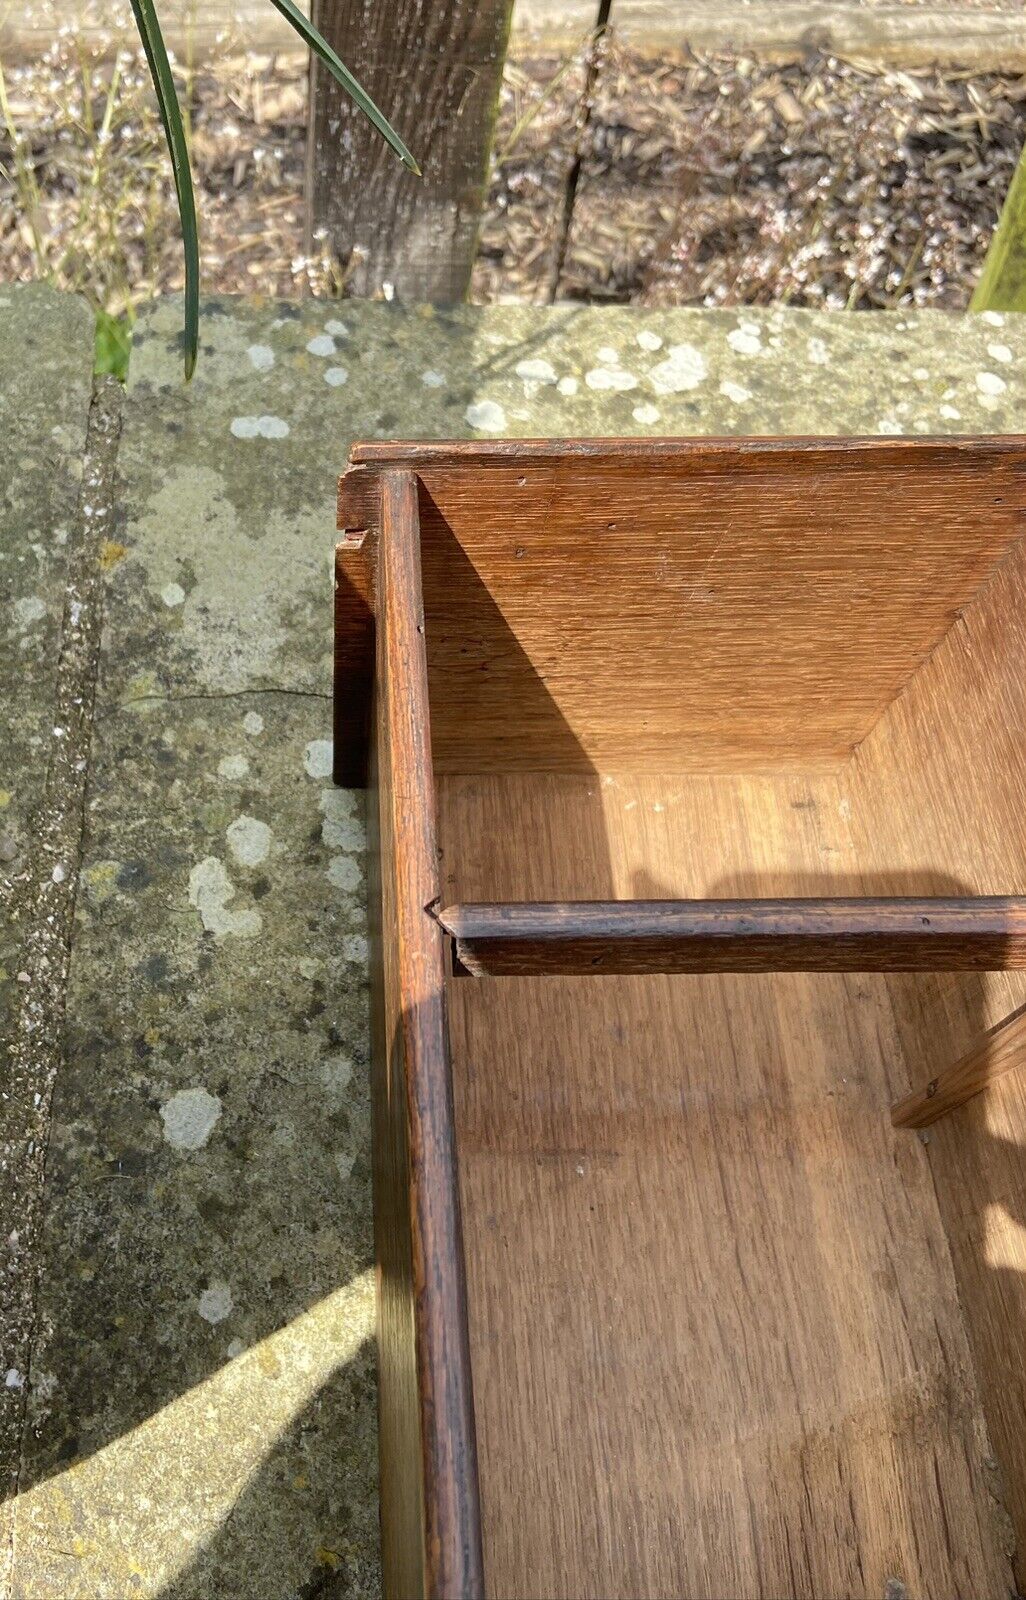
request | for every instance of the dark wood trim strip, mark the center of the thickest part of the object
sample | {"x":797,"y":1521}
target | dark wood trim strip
{"x":638,"y":936}
{"x":1001,"y":1050}
{"x":356,"y":572}
{"x":452,"y":1520}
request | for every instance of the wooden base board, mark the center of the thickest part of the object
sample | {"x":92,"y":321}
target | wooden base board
{"x":715,"y":1323}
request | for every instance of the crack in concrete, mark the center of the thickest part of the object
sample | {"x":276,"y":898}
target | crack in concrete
{"x":224,"y":694}
{"x":42,"y":900}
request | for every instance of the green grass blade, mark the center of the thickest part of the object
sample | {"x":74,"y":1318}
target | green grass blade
{"x":1002,"y":285}
{"x":322,"y":49}
{"x":113,"y":345}
{"x":174,"y":131}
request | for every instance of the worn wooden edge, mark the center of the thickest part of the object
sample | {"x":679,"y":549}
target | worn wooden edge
{"x":358,"y":497}
{"x":453,"y":1553}
{"x":1002,"y":1049}
{"x":581,"y":938}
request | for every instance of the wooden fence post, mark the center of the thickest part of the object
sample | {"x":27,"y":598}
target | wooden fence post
{"x":434,"y":68}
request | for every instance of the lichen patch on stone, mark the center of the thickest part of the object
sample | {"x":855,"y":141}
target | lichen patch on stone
{"x":318,"y":758}
{"x":260,"y":428}
{"x":210,"y":890}
{"x":215,"y":1303}
{"x":486,"y":415}
{"x":249,"y":840}
{"x":617,"y":379}
{"x":189,"y":1118}
{"x":685,"y":368}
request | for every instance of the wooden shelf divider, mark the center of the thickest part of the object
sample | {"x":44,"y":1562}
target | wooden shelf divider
{"x":970,"y":934}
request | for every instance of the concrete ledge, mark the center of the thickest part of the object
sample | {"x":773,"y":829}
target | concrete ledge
{"x":986,"y":40}
{"x":198,"y":1393}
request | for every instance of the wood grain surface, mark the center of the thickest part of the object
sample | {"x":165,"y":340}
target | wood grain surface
{"x":688,"y":605}
{"x":937,"y":798}
{"x":1002,"y":1049}
{"x":731,"y":1333}
{"x":587,"y":938}
{"x":431,"y":1539}
{"x":717,"y":1343}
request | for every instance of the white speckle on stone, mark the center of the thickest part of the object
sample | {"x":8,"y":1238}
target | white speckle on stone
{"x":235,"y":1350}
{"x":253,"y":723}
{"x":746,"y":340}
{"x":608,"y":356}
{"x":990,"y":383}
{"x":210,"y":890}
{"x":344,"y":873}
{"x":610,"y":378}
{"x":260,"y":428}
{"x":322,"y":344}
{"x":999,"y":352}
{"x":889,"y":425}
{"x":432,"y":379}
{"x":735,"y":392}
{"x":233,"y":767}
{"x":338,"y":330}
{"x":921,"y":374}
{"x":215,"y":1303}
{"x":995,"y":318}
{"x":341,"y":829}
{"x":951,"y":413}
{"x":646,"y":413}
{"x":337,"y":376}
{"x":173,"y":594}
{"x":318,"y":758}
{"x":14,"y":1379}
{"x":649,"y":340}
{"x":817,"y":353}
{"x":28,"y":610}
{"x":537,"y":370}
{"x":355,"y":948}
{"x":486,"y":415}
{"x":59,"y":873}
{"x":684,"y":368}
{"x":249,"y":840}
{"x":189,"y":1118}
{"x":336,"y":1074}
{"x":567,"y":386}
{"x":345,"y":1161}
{"x":261,"y":357}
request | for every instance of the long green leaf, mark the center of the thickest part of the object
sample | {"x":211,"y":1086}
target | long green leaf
{"x":174,"y":131}
{"x":1002,"y":285}
{"x":320,"y":46}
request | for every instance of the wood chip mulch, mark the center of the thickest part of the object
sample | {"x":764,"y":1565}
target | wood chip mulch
{"x":716,"y":181}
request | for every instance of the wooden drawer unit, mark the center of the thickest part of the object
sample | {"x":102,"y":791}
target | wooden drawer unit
{"x":698,"y":816}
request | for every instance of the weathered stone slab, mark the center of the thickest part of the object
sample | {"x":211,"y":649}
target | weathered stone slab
{"x":45,"y":375}
{"x":45,"y":380}
{"x":201,"y":1392}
